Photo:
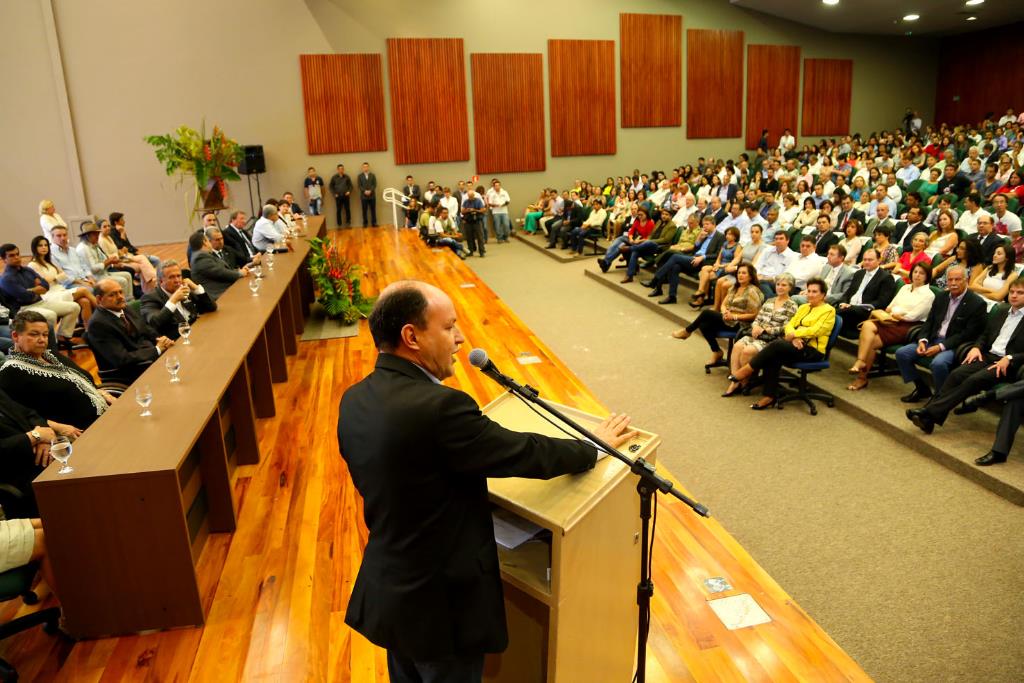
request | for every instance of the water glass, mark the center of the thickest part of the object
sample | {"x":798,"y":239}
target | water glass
{"x":173,"y":364}
{"x":60,"y":450}
{"x":254,"y":286}
{"x":144,"y":397}
{"x":257,"y":271}
{"x":184,"y":330}
{"x":270,"y":260}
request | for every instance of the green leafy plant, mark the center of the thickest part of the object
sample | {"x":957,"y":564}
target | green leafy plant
{"x":337,"y":282}
{"x":210,"y":161}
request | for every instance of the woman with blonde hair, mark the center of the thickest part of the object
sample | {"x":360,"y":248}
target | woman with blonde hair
{"x":49,"y":218}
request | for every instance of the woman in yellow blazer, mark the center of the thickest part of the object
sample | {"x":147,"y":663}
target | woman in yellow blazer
{"x":807,"y":334}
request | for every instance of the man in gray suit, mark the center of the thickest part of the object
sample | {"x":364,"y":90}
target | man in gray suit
{"x":368,"y":194}
{"x":836,"y":274}
{"x":212,"y":273}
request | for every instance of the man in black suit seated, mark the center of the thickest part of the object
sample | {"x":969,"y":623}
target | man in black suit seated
{"x":1012,"y":396}
{"x":824,"y":237}
{"x":903,"y":232}
{"x":986,"y":237}
{"x":238,"y":242}
{"x":119,"y":337}
{"x":177,"y":300}
{"x":213,"y":274}
{"x":429,"y":589}
{"x":848,"y":213}
{"x":996,"y":357}
{"x":957,"y":317}
{"x":871,"y":288}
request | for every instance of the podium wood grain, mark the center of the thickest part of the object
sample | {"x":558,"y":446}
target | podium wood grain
{"x":275,"y":590}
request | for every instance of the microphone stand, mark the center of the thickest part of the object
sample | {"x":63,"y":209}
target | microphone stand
{"x":650,"y":482}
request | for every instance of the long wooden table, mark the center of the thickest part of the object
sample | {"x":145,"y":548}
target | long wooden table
{"x":126,"y":529}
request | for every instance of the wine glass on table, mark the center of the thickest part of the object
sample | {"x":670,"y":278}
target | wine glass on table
{"x":60,"y":450}
{"x":184,"y":330}
{"x":269,"y":260}
{"x":254,"y":286}
{"x":173,"y":365}
{"x":144,"y":397}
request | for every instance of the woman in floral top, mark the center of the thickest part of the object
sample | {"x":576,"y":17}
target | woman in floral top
{"x":767,"y":327}
{"x":888,"y":254}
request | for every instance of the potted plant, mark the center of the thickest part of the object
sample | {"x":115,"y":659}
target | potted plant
{"x":210,"y":161}
{"x":337,"y":283}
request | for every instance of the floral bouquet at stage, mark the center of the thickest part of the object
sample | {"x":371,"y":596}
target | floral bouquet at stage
{"x":337,"y":282}
{"x":210,"y":161}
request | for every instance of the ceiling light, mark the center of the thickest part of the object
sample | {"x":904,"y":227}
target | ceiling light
{"x":972,"y":18}
{"x":830,"y":2}
{"x":912,"y":17}
{"x":974,"y":3}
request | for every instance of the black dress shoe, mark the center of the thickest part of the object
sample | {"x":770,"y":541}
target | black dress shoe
{"x":604,"y":265}
{"x":921,"y":420}
{"x":667,"y":300}
{"x":990,"y":458}
{"x":917,"y":395}
{"x":978,"y":400}
{"x":647,"y":283}
{"x":656,"y":292}
{"x":965,"y":409}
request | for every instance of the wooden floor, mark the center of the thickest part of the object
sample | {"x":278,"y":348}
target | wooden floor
{"x":278,"y":587}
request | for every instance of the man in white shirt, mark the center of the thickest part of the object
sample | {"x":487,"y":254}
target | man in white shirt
{"x":972,"y":212}
{"x":451,"y":203}
{"x":659,"y":196}
{"x":737,"y":220}
{"x":787,"y":143}
{"x":1006,"y":222}
{"x":498,"y":200}
{"x":753,"y":218}
{"x":1009,"y":117}
{"x":688,"y":208}
{"x":774,"y":262}
{"x":266,"y":231}
{"x":880,"y":196}
{"x":807,"y":264}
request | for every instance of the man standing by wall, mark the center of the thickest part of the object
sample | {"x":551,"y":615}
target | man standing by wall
{"x":368,"y":195}
{"x":498,"y":200}
{"x":429,"y":587}
{"x":341,"y":188}
{"x":473,"y":221}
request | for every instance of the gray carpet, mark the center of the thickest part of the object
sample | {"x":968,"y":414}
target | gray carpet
{"x":916,"y":572}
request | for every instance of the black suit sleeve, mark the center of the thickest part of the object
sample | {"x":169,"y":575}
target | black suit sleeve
{"x":202,"y":303}
{"x":855,"y":281}
{"x":157,"y":315}
{"x":932,"y":322}
{"x":992,"y":327}
{"x":108,"y":342}
{"x":472,"y":443}
{"x":885,"y":291}
{"x":974,"y":323}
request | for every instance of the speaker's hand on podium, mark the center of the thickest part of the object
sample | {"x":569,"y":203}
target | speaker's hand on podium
{"x":614,"y":431}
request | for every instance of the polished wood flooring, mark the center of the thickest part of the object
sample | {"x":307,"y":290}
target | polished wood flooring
{"x":277,"y":588}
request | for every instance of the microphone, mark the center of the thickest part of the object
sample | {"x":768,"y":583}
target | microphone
{"x":478,"y":359}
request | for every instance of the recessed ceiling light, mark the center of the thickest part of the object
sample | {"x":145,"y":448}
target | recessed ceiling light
{"x":974,"y":3}
{"x":972,"y":18}
{"x":830,"y":2}
{"x":912,"y":17}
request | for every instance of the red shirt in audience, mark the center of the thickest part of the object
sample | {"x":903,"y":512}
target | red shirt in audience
{"x":641,"y":229}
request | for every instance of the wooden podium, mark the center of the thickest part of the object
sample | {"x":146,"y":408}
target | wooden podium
{"x":570,"y":598}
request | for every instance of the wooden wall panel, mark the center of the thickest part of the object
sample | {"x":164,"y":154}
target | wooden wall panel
{"x":429,"y":122}
{"x":828,"y":84}
{"x":773,"y":91}
{"x":343,"y":99}
{"x":508,"y":112}
{"x":651,"y":44}
{"x":965,"y":91}
{"x":714,"y":83}
{"x":581,"y":86}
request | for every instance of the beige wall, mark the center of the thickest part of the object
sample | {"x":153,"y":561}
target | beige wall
{"x":134,"y":69}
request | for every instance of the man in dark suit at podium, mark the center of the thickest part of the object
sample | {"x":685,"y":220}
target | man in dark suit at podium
{"x":429,"y":588}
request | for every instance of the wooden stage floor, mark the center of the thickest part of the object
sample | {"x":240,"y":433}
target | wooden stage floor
{"x":277,"y":588}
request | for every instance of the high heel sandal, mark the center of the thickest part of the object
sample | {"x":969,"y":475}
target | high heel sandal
{"x":860,"y":383}
{"x":857,"y":368}
{"x":735,"y":388}
{"x":697,"y":300}
{"x":764,"y":406}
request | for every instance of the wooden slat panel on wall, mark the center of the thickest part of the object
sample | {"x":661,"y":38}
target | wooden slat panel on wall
{"x":651,"y":69}
{"x":828,"y":84}
{"x":508,"y":112}
{"x":429,"y":122}
{"x":714,"y":83}
{"x":773,"y":91}
{"x":343,"y":99}
{"x":581,"y":86}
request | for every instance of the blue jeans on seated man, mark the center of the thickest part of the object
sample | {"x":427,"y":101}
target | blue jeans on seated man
{"x":451,"y":243}
{"x":942,"y":364}
{"x":613,"y":250}
{"x":639,"y":251}
{"x":577,"y":238}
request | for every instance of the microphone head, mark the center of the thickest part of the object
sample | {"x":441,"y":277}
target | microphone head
{"x":478,"y":358}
